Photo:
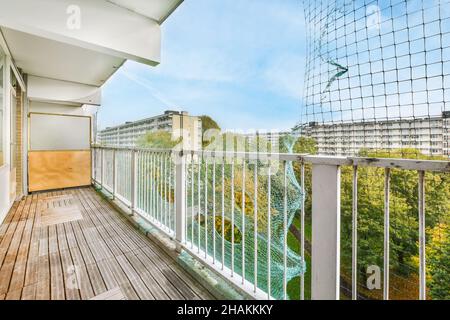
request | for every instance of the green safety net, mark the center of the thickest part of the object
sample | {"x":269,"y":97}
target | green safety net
{"x":285,"y":201}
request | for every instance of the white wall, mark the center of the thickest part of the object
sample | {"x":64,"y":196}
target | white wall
{"x":86,"y":110}
{"x":5,"y":203}
{"x":44,"y":107}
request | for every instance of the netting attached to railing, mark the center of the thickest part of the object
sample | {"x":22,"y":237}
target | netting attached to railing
{"x":378,"y":77}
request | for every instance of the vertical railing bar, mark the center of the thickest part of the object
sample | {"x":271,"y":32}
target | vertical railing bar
{"x":206,"y":208}
{"x":101,"y":168}
{"x":200,"y":160}
{"x":170,"y":224}
{"x":161,"y":190}
{"x":302,"y":230}
{"x":157,"y":186}
{"x":269,"y":231}
{"x":152,"y":177}
{"x":186,"y":188}
{"x":94,"y":165}
{"x":285,"y":232}
{"x":148,"y":178}
{"x":154,"y":184}
{"x":144,"y":176}
{"x":133,"y":181}
{"x":355,"y":234}
{"x":214,"y":209}
{"x":114,"y":174}
{"x":255,"y":226}
{"x":232,"y":217}
{"x":165,"y":193}
{"x":422,"y":236}
{"x":127,"y":176}
{"x":223,"y":213}
{"x":141,"y":176}
{"x":138,"y":179}
{"x":178,"y":159}
{"x":387,"y":183}
{"x":243,"y":219}
{"x":192,"y":199}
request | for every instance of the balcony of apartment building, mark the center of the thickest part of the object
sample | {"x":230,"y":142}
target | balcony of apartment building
{"x":81,"y":221}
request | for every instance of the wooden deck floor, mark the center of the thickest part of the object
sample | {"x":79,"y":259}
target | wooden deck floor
{"x":100,"y":256}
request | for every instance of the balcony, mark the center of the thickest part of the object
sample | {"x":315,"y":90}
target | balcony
{"x":236,"y":214}
{"x":73,"y":245}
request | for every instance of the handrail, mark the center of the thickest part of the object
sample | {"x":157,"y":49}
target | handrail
{"x":392,"y":163}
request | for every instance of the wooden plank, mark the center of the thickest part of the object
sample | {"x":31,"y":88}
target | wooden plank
{"x":10,"y":232}
{"x":49,"y":170}
{"x":43,"y":284}
{"x":14,"y":295}
{"x":170,"y":290}
{"x":107,"y":275}
{"x":18,"y":275}
{"x":29,"y":292}
{"x":98,"y":285}
{"x":6,"y":270}
{"x":56,"y":279}
{"x":128,"y":291}
{"x":86,"y":289}
{"x":103,"y":251}
{"x":70,"y":236}
{"x":60,"y":215}
{"x":33,"y":254}
{"x":113,"y":294}
{"x":149,"y":278}
{"x":69,"y":270}
{"x":177,"y":275}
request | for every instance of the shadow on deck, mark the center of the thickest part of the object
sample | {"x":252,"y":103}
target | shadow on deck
{"x":72,"y":244}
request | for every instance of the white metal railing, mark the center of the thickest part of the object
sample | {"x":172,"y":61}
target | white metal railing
{"x":195,"y":197}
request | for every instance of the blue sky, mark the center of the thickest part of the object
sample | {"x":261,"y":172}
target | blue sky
{"x":239,"y":61}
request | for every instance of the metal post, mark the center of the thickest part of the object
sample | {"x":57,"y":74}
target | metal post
{"x":133,"y":181}
{"x":387,"y":187}
{"x":114,"y":175}
{"x":355,"y":235}
{"x":422,"y":260}
{"x":180,"y":198}
{"x":326,"y":221}
{"x":101,"y":168}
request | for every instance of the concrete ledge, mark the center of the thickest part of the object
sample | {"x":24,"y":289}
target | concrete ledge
{"x":216,"y":284}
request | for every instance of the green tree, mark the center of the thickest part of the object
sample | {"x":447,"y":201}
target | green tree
{"x":438,"y":254}
{"x":207,"y":124}
{"x":403,"y":213}
{"x":158,"y":140}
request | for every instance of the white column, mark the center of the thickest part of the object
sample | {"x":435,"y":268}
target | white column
{"x":326,"y":220}
{"x":180,"y":198}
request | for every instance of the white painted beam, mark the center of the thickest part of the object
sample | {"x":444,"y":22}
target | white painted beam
{"x":95,"y":25}
{"x":57,"y":91}
{"x":326,"y":224}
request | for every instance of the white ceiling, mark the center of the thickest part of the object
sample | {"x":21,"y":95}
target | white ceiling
{"x":155,"y":9}
{"x":57,"y":60}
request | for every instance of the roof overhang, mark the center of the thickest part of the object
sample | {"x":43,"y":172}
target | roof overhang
{"x":46,"y":42}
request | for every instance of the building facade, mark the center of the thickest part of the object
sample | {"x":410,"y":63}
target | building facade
{"x":272,"y":137}
{"x":428,"y":135}
{"x":128,"y":134}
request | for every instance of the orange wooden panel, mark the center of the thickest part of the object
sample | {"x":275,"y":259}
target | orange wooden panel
{"x":48,"y":170}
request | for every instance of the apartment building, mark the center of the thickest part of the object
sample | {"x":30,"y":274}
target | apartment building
{"x":175,"y":122}
{"x":272,"y":137}
{"x":429,"y":135}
